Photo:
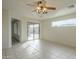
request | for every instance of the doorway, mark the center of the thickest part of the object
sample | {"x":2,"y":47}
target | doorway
{"x":15,"y":31}
{"x":33,"y":31}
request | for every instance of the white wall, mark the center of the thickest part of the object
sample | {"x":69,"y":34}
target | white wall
{"x":60,"y":35}
{"x":23,"y":20}
{"x":63,"y":35}
{"x":5,"y":29}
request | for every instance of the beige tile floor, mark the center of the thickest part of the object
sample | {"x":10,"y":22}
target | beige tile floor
{"x":39,"y":49}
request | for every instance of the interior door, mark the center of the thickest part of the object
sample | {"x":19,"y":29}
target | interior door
{"x":33,"y":31}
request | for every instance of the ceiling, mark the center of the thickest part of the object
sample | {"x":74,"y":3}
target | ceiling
{"x":20,"y":8}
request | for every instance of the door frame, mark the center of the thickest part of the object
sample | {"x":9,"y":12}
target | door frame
{"x":18,"y":27}
{"x":33,"y":30}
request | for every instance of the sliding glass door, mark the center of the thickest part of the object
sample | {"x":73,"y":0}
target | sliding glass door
{"x":33,"y":31}
{"x":36,"y":31}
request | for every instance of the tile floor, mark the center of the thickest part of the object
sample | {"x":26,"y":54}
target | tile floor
{"x":39,"y":49}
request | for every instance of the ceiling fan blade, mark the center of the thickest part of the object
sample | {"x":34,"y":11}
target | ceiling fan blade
{"x":51,"y":8}
{"x":30,"y":5}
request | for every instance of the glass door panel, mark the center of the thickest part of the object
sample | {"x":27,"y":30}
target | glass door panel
{"x":30,"y":32}
{"x":36,"y":31}
{"x":33,"y":31}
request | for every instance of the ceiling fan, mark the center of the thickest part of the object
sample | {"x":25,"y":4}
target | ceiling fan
{"x":41,"y":7}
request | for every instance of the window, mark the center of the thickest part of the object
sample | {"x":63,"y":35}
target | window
{"x":64,"y":23}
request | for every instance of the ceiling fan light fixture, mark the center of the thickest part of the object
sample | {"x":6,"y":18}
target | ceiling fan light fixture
{"x":38,"y":8}
{"x":42,"y":8}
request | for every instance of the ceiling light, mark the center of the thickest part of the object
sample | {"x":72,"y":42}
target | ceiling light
{"x":41,"y":7}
